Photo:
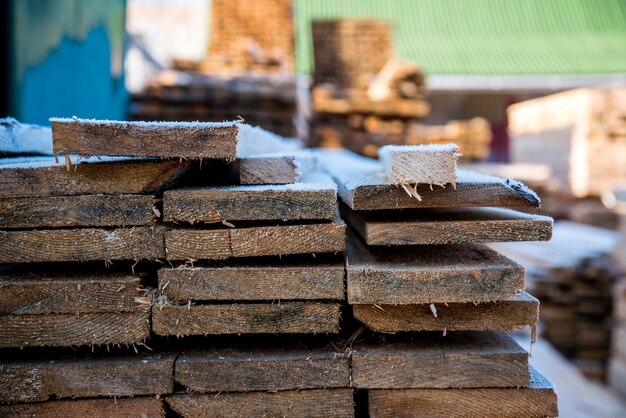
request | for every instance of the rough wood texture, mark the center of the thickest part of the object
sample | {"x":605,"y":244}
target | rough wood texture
{"x":267,"y":318}
{"x":537,"y":401}
{"x":362,"y":185}
{"x":422,"y":164}
{"x":86,"y":210}
{"x":244,"y":369}
{"x":434,"y":274}
{"x":81,"y":244}
{"x":314,"y":198}
{"x":139,"y":407}
{"x":65,"y":330}
{"x":41,"y":176}
{"x":276,"y":168}
{"x":32,"y":381}
{"x":448,"y":226}
{"x":218,"y":244}
{"x":504,"y":315}
{"x":459,"y":360}
{"x":292,"y":404}
{"x":44,"y":294}
{"x":254,"y":282}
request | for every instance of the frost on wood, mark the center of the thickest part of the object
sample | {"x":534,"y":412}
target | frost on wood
{"x":420,"y":164}
{"x":19,"y":138}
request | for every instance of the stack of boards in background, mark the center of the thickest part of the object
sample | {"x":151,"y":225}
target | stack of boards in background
{"x":227,"y":292}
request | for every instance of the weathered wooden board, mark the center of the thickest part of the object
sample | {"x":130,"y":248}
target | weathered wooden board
{"x":193,"y":140}
{"x":281,"y":168}
{"x":362,"y":185}
{"x":503,"y":315}
{"x":141,"y":406}
{"x":254,"y":368}
{"x":66,"y":330}
{"x":39,"y":380}
{"x":42,"y":176}
{"x":537,"y":401}
{"x":335,"y":403}
{"x":276,"y":281}
{"x":458,"y":360}
{"x":85,"y":210}
{"x":265,"y":318}
{"x":215,"y":244}
{"x":45,"y":294}
{"x":314,"y":198}
{"x":83,"y":244}
{"x":447,"y":226}
{"x":421,"y":164}
{"x":430,"y":274}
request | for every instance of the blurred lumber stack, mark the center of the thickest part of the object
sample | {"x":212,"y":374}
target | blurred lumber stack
{"x":580,"y":133}
{"x":616,"y":201}
{"x":573,"y":276}
{"x":416,"y":267}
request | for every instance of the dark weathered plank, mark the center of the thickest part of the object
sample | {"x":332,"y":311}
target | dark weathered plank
{"x":458,"y":360}
{"x":86,"y":210}
{"x":281,"y":281}
{"x":266,"y":318}
{"x":138,"y":407}
{"x":31,"y":381}
{"x":279,"y":168}
{"x":312,"y":403}
{"x":537,"y":401}
{"x":244,"y":369}
{"x":432,"y":274}
{"x":44,"y":294}
{"x":503,"y":315}
{"x":82,"y":244}
{"x":42,"y":176}
{"x":65,"y":330}
{"x":447,"y":226}
{"x":362,"y":185}
{"x":314,"y":198}
{"x":214,"y":244}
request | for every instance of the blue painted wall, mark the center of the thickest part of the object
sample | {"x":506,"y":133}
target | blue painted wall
{"x":67,"y":59}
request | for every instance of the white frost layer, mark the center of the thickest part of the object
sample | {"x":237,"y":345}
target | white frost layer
{"x":431,"y":148}
{"x":310,"y":183}
{"x":18,"y":138}
{"x":49,"y":161}
{"x":253,"y":140}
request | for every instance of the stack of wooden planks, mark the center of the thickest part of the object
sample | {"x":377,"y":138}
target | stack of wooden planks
{"x":580,"y":133}
{"x":416,"y":268}
{"x":574,"y":277}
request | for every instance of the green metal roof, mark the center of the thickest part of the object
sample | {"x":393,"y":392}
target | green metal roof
{"x":487,"y":37}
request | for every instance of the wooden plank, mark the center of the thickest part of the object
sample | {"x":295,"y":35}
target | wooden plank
{"x":42,"y":176}
{"x":421,"y":164}
{"x":362,"y":185}
{"x":86,"y":210}
{"x":314,"y":198}
{"x":21,"y":138}
{"x":193,"y":140}
{"x":434,"y":274}
{"x":83,"y":244}
{"x":141,"y":406}
{"x":539,"y":400}
{"x":66,"y":330}
{"x":290,"y":404}
{"x":459,"y":360}
{"x":281,"y":168}
{"x":447,"y":226}
{"x":504,"y":315}
{"x":265,"y":318}
{"x":275,"y":281}
{"x":44,"y":294}
{"x":265,"y":368}
{"x":215,"y":244}
{"x":39,"y":380}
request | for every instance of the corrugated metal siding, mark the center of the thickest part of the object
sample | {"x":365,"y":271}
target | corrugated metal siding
{"x":487,"y":37}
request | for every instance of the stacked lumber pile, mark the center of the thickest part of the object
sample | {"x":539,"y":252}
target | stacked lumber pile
{"x":616,"y":201}
{"x":573,"y":275}
{"x":580,"y":133}
{"x":416,"y":268}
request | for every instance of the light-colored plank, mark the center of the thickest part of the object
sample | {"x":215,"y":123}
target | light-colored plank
{"x":265,"y":318}
{"x":420,"y":164}
{"x":447,"y":226}
{"x":281,"y":168}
